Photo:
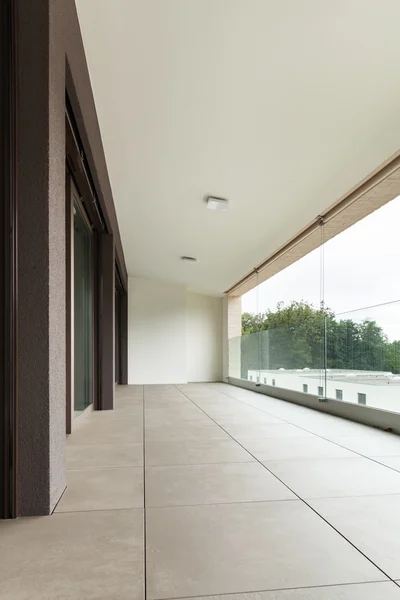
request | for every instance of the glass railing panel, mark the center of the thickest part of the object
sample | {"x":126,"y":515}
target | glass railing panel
{"x":250,"y":357}
{"x":234,"y":351}
{"x":283,"y":357}
{"x":292,"y":353}
{"x":363,"y":357}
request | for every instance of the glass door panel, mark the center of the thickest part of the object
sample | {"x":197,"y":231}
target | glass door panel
{"x":83,"y":313}
{"x":117,"y":334}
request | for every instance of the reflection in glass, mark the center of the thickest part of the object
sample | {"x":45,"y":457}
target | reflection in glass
{"x":82,"y":312}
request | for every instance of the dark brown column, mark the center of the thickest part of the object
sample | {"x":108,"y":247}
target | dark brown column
{"x":51,"y":61}
{"x":123,"y":356}
{"x":106,"y":315}
{"x":41,"y":262}
{"x":8,"y":263}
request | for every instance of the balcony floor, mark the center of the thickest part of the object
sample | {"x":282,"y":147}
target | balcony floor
{"x":207,"y":490}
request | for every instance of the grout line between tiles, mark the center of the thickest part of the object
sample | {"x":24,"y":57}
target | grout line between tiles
{"x":267,"y":591}
{"x":296,"y":499}
{"x":59,"y":500}
{"x":88,"y":510}
{"x":297,"y":495}
{"x":104,"y":468}
{"x":223,"y":503}
{"x":200,"y":464}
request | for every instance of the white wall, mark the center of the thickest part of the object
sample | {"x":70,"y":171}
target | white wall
{"x":156,"y":332}
{"x":204,"y":338}
{"x":174,"y":336}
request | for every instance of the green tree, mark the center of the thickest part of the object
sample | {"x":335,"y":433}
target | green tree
{"x":393,"y":357}
{"x":299,"y":335}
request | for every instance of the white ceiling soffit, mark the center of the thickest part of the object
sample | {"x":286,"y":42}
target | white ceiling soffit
{"x":279,"y":106}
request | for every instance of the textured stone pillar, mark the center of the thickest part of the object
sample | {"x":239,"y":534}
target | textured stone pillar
{"x":106,"y":322}
{"x":41,"y":262}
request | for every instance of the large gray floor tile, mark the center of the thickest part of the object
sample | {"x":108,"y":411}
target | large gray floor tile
{"x":336,"y":477}
{"x":110,"y":431}
{"x":183,"y":453}
{"x":129,"y":388}
{"x":103,"y":489}
{"x":371,"y":523}
{"x":216,"y":400}
{"x":136,"y":394}
{"x":177,"y":409}
{"x":298,"y":448}
{"x":390,"y":461}
{"x":166,"y":400}
{"x":376,"y":444}
{"x":188,"y":431}
{"x":127,"y":398}
{"x":170,"y":421}
{"x":256,"y":418}
{"x":80,"y":456}
{"x":133,"y":399}
{"x":75,"y":556}
{"x":129,"y":412}
{"x":231,"y":548}
{"x":217,"y":412}
{"x":248,"y":433}
{"x":329,"y":426}
{"x":170,"y":417}
{"x":212,"y":484}
{"x":363,"y":591}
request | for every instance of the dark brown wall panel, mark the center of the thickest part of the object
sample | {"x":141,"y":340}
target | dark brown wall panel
{"x":106,"y":317}
{"x":33,"y":222}
{"x":51,"y":60}
{"x":8,"y":263}
{"x":124,"y":340}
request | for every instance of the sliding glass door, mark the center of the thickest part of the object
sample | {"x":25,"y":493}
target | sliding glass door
{"x":83,"y":310}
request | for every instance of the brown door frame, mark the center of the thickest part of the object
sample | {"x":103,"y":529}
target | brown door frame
{"x":68,"y":297}
{"x":73,"y":196}
{"x":8,"y":263}
{"x":122,"y":340}
{"x":103,"y":274}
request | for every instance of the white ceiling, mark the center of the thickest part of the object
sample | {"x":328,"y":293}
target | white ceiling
{"x":280,"y":106}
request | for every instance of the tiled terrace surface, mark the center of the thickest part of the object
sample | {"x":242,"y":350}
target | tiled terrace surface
{"x":211,"y":490}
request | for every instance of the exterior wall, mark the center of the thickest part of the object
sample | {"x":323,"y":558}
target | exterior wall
{"x":156,"y":332}
{"x":106,"y":310}
{"x":57,"y":257}
{"x":174,"y":335}
{"x":51,"y":60}
{"x":204,"y":338}
{"x":41,"y":256}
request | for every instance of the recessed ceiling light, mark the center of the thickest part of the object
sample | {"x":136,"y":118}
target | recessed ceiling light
{"x":189,"y":259}
{"x":214,"y":203}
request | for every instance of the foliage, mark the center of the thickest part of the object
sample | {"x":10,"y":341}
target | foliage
{"x":299,"y":335}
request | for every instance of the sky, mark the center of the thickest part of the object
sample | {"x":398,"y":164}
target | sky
{"x":362,"y":269}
